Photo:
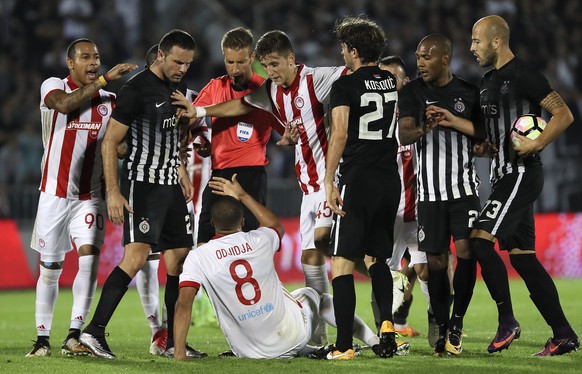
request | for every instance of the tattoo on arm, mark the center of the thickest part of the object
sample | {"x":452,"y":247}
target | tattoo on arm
{"x":552,"y":102}
{"x":73,"y":100}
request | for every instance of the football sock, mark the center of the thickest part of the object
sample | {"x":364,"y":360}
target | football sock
{"x":74,"y":333}
{"x":316,"y":277}
{"x":495,"y":276}
{"x":543,"y":293}
{"x":401,"y":313}
{"x":361,"y":330}
{"x":148,"y":287}
{"x":438,"y":287}
{"x":170,"y":298}
{"x":84,"y":290}
{"x":113,"y":290}
{"x":344,"y":305}
{"x":47,"y":291}
{"x":382,"y":285}
{"x":463,"y":283}
{"x":424,"y":288}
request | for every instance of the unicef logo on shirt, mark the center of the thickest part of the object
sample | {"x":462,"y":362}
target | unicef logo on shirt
{"x":244,"y":131}
{"x":263,"y":309}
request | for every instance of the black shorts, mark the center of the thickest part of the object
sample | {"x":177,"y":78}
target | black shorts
{"x":439,"y":220}
{"x":160,"y":216}
{"x":368,"y":227}
{"x":508,"y":215}
{"x":253,"y":180}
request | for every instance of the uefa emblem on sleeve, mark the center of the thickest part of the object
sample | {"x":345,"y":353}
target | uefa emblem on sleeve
{"x":102,"y":109}
{"x":299,"y":102}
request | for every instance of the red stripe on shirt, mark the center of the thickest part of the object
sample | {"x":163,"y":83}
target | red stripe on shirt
{"x":409,"y":179}
{"x":67,"y":155}
{"x":305,"y":146}
{"x":90,"y":151}
{"x":190,"y":284}
{"x":45,"y":169}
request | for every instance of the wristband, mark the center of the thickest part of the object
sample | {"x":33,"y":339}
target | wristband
{"x":103,"y":80}
{"x":200,"y":112}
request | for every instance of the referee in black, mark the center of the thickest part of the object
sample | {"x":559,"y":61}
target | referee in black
{"x":441,"y":113}
{"x":510,"y":89}
{"x":363,"y":108}
{"x":151,"y":203}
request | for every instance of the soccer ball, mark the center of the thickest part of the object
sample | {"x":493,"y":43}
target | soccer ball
{"x":528,"y":125}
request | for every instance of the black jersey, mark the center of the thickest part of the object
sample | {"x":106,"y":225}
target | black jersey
{"x":371,"y":145}
{"x":144,"y":104}
{"x":506,"y":94}
{"x":446,"y":168}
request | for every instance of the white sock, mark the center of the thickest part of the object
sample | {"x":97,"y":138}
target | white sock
{"x":47,"y":291}
{"x":84,"y":290}
{"x":316,"y":277}
{"x":424,"y":288}
{"x":361,"y":330}
{"x":148,"y":288}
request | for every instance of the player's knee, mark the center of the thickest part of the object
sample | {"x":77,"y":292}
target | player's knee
{"x":437,"y":262}
{"x":312,"y":257}
{"x":88,"y":250}
{"x":422,"y":273}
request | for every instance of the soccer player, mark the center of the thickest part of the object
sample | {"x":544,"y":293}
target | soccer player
{"x":155,"y":186}
{"x":258,"y":316}
{"x":363,"y":135}
{"x":298,"y":96}
{"x":447,"y":180}
{"x":405,"y":238}
{"x":239,"y":144}
{"x":510,"y":89}
{"x":71,"y":208}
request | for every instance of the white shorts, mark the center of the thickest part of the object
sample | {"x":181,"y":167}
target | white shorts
{"x":314,"y":214}
{"x":310,"y":301}
{"x":63,"y":223}
{"x":405,"y":236}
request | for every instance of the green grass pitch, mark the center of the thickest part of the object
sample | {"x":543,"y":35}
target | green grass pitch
{"x":129,"y":340}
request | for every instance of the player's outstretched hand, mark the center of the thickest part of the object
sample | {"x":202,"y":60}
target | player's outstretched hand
{"x":225,"y":187}
{"x":290,"y":136}
{"x":120,"y":70}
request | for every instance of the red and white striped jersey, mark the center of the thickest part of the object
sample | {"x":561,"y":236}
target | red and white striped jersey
{"x":406,"y":160}
{"x":303,"y":104}
{"x":72,"y":166}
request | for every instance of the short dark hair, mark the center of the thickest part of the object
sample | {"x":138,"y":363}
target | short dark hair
{"x":71,"y":48}
{"x":226,"y":212}
{"x":362,"y":34}
{"x":392,"y":60}
{"x":151,"y":55}
{"x":177,"y":38}
{"x":275,"y":41}
{"x":238,"y":38}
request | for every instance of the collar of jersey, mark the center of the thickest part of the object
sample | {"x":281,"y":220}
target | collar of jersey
{"x":295,"y":83}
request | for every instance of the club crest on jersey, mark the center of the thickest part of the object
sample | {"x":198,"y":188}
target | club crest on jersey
{"x":299,"y":102}
{"x":244,"y":131}
{"x":41,"y":242}
{"x":144,"y":226}
{"x":504,"y":87}
{"x":421,"y":234}
{"x":103,"y":110}
{"x":459,"y":105}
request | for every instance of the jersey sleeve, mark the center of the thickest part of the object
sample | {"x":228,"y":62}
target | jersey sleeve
{"x":204,"y":97}
{"x":191,"y":276}
{"x":270,"y":235}
{"x":339,"y":96}
{"x":259,"y":98}
{"x":323,"y":79}
{"x":127,"y":104}
{"x":477,"y":116}
{"x":534,"y":86}
{"x":407,"y":105}
{"x":50,"y":85}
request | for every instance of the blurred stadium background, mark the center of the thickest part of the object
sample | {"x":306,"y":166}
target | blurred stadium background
{"x":34,"y":35}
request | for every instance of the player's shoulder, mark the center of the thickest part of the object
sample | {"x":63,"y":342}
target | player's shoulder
{"x":54,"y":83}
{"x":464,"y":83}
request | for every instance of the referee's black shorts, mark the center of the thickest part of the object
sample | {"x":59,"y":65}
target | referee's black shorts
{"x":253,"y":180}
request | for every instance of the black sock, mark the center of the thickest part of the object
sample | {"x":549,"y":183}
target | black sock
{"x":438,"y":290}
{"x":382,"y":289}
{"x":463,"y":283}
{"x":74,"y":333}
{"x":170,"y":298}
{"x":495,"y":276}
{"x":344,"y":303}
{"x":401,"y":314}
{"x":113,"y":290}
{"x":543,"y":293}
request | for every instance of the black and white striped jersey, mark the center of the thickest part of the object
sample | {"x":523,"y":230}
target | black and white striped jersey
{"x":506,"y":94}
{"x":446,"y":168}
{"x":144,"y":104}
